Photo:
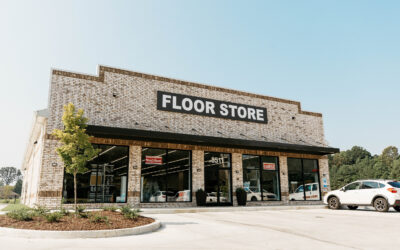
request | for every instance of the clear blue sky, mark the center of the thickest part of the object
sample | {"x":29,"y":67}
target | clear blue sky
{"x":340,"y":58}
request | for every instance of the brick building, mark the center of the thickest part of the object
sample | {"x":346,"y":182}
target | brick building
{"x":162,"y":139}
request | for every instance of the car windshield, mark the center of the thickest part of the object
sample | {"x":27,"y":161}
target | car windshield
{"x":395,"y":184}
{"x":299,"y":189}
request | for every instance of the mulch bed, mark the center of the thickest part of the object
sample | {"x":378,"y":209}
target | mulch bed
{"x":70,"y":223}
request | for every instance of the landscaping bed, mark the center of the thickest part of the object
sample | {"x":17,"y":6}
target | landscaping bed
{"x":64,"y":221}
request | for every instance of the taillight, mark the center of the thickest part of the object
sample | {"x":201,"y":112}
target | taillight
{"x":163,"y":196}
{"x":392,"y":190}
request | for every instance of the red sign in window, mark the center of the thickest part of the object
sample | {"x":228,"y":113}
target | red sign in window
{"x":268,"y":166}
{"x":155,"y":160}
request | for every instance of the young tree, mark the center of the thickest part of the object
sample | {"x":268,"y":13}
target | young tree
{"x":18,"y":187}
{"x":75,"y":149}
{"x":9,"y":174}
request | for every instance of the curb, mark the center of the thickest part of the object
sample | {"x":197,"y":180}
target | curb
{"x":43,"y":234}
{"x":226,"y":209}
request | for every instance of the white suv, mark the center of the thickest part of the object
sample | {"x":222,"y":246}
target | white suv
{"x":380,"y":194}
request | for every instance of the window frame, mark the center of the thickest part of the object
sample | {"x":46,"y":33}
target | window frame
{"x":260,"y":168}
{"x":302,"y":177}
{"x":166,"y":172}
{"x":97,"y":169}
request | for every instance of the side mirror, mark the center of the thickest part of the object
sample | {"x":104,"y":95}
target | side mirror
{"x":343,"y":189}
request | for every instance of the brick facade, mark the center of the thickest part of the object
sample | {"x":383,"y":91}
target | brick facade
{"x":125,"y":99}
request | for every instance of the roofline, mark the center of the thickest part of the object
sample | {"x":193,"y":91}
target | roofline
{"x":103,"y":69}
{"x":167,"y":137}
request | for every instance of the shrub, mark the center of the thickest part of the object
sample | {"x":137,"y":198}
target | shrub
{"x":201,"y":197}
{"x":21,"y":214}
{"x":97,"y":218}
{"x":81,"y":209}
{"x":126,"y":209}
{"x":64,"y":211}
{"x":132,"y":214}
{"x":84,"y":215}
{"x":41,"y":210}
{"x":110,"y":208}
{"x":53,"y":217}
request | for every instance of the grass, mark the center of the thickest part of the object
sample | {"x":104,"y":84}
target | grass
{"x":11,"y":207}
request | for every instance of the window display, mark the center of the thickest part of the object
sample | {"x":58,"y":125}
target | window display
{"x":105,"y":180}
{"x":165,"y":175}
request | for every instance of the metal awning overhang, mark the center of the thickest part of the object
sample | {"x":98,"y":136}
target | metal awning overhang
{"x":154,"y":136}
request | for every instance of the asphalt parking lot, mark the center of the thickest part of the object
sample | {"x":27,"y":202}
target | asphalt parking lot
{"x":286,"y":229}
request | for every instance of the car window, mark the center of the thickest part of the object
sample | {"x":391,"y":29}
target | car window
{"x":395,"y":184}
{"x":353,"y":186}
{"x":299,"y":189}
{"x":308,"y":187}
{"x":381,"y":185}
{"x":370,"y":185}
{"x":314,"y":187}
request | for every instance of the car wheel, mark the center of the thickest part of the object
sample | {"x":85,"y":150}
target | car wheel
{"x":397,"y":209}
{"x":381,"y":204}
{"x":253,"y":198}
{"x":333,"y":203}
{"x":352,"y":207}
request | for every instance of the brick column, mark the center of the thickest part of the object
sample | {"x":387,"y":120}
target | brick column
{"x":135,"y":164}
{"x":283,"y":168}
{"x":197,"y":172}
{"x":237,"y":174}
{"x":323,"y":164}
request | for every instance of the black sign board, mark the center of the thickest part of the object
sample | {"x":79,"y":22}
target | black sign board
{"x":209,"y":107}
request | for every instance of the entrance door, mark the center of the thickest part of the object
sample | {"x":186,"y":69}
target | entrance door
{"x":217,"y":178}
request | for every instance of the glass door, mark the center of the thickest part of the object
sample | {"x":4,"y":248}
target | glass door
{"x":217,"y":178}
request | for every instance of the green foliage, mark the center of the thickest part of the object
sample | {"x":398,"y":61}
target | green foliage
{"x":75,"y":149}
{"x":41,"y":210}
{"x":9,"y":174}
{"x":53,"y":217}
{"x":23,"y":214}
{"x":81,"y":209}
{"x":97,"y":218}
{"x":12,"y":207}
{"x":126,"y":209}
{"x":357,"y":163}
{"x":84,"y":215}
{"x":110,"y":208}
{"x":18,"y":187}
{"x":132,"y":214}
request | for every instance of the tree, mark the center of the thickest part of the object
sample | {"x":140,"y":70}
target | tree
{"x":18,"y":187}
{"x":390,"y":154}
{"x":75,"y":149}
{"x":9,"y":174}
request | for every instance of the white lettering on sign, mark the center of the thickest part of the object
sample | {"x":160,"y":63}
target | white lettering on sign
{"x":208,"y":107}
{"x":217,"y":160}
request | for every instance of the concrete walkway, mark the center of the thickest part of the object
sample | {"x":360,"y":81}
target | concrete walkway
{"x":268,"y":229}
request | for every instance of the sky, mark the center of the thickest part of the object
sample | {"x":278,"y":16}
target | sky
{"x":339,"y":58}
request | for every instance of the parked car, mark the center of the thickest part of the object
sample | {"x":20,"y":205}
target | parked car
{"x":212,"y":197}
{"x":312,"y":192}
{"x":161,"y":196}
{"x":381,"y":194}
{"x":256,"y":196}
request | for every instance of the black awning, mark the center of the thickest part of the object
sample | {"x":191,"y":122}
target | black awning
{"x":155,"y":136}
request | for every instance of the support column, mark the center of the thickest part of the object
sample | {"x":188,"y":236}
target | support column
{"x":284,"y":179}
{"x":323,"y":164}
{"x":237,"y":175}
{"x":197,"y":172}
{"x":135,"y":164}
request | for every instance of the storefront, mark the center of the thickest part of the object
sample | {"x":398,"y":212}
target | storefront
{"x":163,"y":139}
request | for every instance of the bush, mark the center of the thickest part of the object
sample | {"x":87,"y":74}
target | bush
{"x":110,"y":208}
{"x":126,"y":209}
{"x":132,"y":214}
{"x":41,"y":210}
{"x":201,"y":197}
{"x":241,"y":196}
{"x":64,"y":211}
{"x":80,"y":209}
{"x":21,"y":214}
{"x":84,"y":215}
{"x":97,"y":218}
{"x":53,"y":217}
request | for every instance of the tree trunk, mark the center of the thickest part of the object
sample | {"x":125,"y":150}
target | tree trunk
{"x":76,"y":207}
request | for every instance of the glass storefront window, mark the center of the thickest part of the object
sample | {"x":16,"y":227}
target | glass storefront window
{"x":303,"y":179}
{"x":261,"y":178}
{"x":105,"y":180}
{"x":165,"y":175}
{"x":217,"y":178}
